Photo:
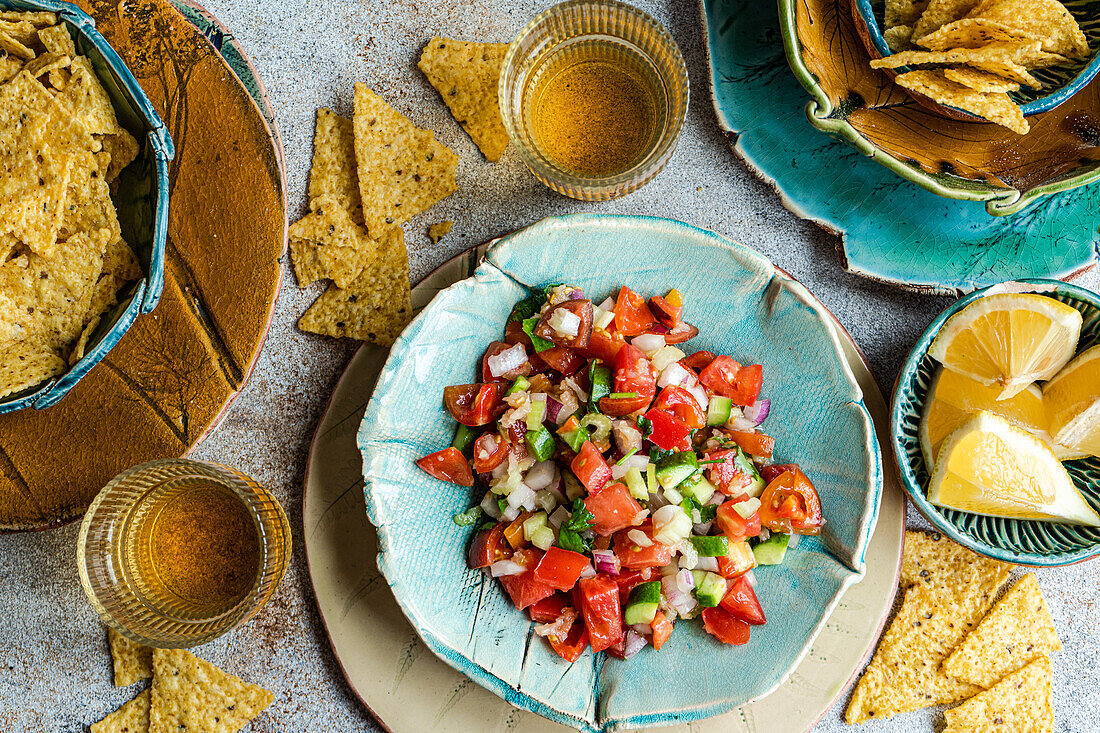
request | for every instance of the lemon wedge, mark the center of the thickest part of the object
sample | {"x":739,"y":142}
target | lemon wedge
{"x":954,"y":399}
{"x":1072,"y":401}
{"x":1009,"y":340}
{"x":990,"y":466}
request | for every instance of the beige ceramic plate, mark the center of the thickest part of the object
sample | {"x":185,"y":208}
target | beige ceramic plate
{"x":409,"y":689}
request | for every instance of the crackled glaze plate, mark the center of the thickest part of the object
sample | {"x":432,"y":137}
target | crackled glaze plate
{"x":892,"y":230}
{"x":743,"y":307}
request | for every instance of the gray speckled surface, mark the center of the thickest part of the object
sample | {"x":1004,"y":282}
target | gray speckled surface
{"x":54,"y":669}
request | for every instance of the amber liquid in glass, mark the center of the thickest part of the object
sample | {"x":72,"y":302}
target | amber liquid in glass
{"x":192,"y":549}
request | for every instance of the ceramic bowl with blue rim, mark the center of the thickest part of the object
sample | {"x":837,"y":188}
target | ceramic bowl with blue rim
{"x":1020,"y":541}
{"x":141,"y":200}
{"x":743,"y":307}
{"x":1059,"y":82}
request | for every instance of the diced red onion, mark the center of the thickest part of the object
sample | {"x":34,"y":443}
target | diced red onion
{"x":561,"y":514}
{"x":608,"y":304}
{"x":673,"y":374}
{"x":742,"y":424}
{"x":554,"y":411}
{"x":710,"y":564}
{"x":634,"y":644}
{"x":758,"y":411}
{"x":606,"y":562}
{"x":793,"y":541}
{"x":576,"y":294}
{"x":589,"y":571}
{"x":751,"y":577}
{"x":765,"y":533}
{"x":643,"y":629}
{"x":507,"y":360}
{"x":679,"y":597}
{"x":506,"y":567}
{"x":500,"y":470}
{"x":658,"y":328}
{"x":681,"y":327}
{"x":557,"y":487}
{"x":702,"y":529}
{"x":650,"y":343}
{"x":540,"y":476}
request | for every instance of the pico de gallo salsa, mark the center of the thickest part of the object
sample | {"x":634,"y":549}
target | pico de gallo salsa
{"x":628,"y":483}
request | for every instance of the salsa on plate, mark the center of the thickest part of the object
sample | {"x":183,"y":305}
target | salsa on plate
{"x":629,"y":484}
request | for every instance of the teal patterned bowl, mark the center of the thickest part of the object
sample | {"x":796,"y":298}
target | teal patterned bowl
{"x":141,"y":200}
{"x":1024,"y":542}
{"x":741,"y":305}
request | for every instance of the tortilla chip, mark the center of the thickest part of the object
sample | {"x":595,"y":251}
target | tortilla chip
{"x":940,"y":13}
{"x":123,"y":149}
{"x":932,"y":560}
{"x":1020,"y":703}
{"x":898,"y":37}
{"x":376,"y":307}
{"x":132,"y":661}
{"x":995,"y":107}
{"x":403,"y":170}
{"x":9,"y":67}
{"x":88,"y":202}
{"x":133,"y":717}
{"x":333,"y":171}
{"x":903,"y":12}
{"x":1017,"y":630}
{"x":466,"y":74}
{"x":193,"y":695}
{"x":981,"y":81}
{"x":40,"y":18}
{"x":327,"y":243}
{"x":46,"y":63}
{"x":88,"y":100}
{"x":440,"y":230}
{"x":25,"y":364}
{"x":1047,"y":20}
{"x":81,"y":347}
{"x":57,"y":39}
{"x":9,"y":43}
{"x":970,"y":33}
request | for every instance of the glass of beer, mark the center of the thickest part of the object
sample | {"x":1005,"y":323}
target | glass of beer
{"x":174,"y":553}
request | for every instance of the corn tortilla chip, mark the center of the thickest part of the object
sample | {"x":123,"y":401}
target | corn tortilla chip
{"x":133,"y":717}
{"x":88,"y":201}
{"x":122,"y":148}
{"x":981,"y":81}
{"x":935,"y":561}
{"x":897,"y":38}
{"x":1048,"y":20}
{"x":40,"y":18}
{"x":439,"y":230}
{"x":903,"y":12}
{"x":12,"y":45}
{"x":46,"y":63}
{"x":333,"y":171}
{"x":970,"y":33}
{"x":81,"y":348}
{"x":940,"y":13}
{"x":995,"y":107}
{"x":9,"y":67}
{"x":191,"y":694}
{"x":88,"y":100}
{"x":21,"y":30}
{"x":327,"y":243}
{"x":25,"y":364}
{"x":57,"y":39}
{"x":466,"y":74}
{"x":376,"y":307}
{"x":403,"y":170}
{"x":1020,"y":703}
{"x":1016,"y":631}
{"x":132,"y":661}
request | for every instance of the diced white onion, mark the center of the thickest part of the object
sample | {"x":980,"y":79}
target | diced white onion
{"x":741,"y":424}
{"x":640,"y":538}
{"x":696,"y":390}
{"x":793,"y":541}
{"x":635,"y":461}
{"x":751,"y":577}
{"x":506,"y":567}
{"x":589,"y":571}
{"x":577,"y":390}
{"x":545,"y":500}
{"x":507,"y":360}
{"x":747,"y":508}
{"x":627,"y":436}
{"x":565,"y":322}
{"x":649,"y":343}
{"x":489,"y":505}
{"x":666,"y":356}
{"x":702,"y":529}
{"x":510,"y":514}
{"x":608,"y":304}
{"x":673,"y":374}
{"x":540,"y":476}
{"x":710,"y":564}
{"x":561,"y":514}
{"x":602,"y":318}
{"x":671,"y":524}
{"x":689,"y":558}
{"x":639,"y":517}
{"x":521,"y":495}
{"x":677,"y":591}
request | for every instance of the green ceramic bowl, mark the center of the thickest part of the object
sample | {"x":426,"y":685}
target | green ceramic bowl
{"x":1024,"y":542}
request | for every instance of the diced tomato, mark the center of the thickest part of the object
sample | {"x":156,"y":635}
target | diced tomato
{"x":514,"y":531}
{"x":489,"y":546}
{"x":698,"y":361}
{"x":741,"y":601}
{"x":613,"y":508}
{"x":448,"y":465}
{"x":540,"y":383}
{"x":662,"y":630}
{"x":590,"y":468}
{"x":475,"y":404}
{"x":683,"y":332}
{"x":726,"y":476}
{"x":514,"y":334}
{"x":573,"y":645}
{"x":738,"y":561}
{"x":523,"y":589}
{"x":601,"y":611}
{"x":490,"y":450}
{"x":734,"y":526}
{"x":729,"y":379}
{"x":603,"y":346}
{"x":623,"y":406}
{"x":683,"y":405}
{"x":721,"y":624}
{"x":560,"y":568}
{"x":562,"y":360}
{"x":634,"y":373}
{"x":669,"y":433}
{"x":667,"y":314}
{"x":548,"y":609}
{"x":771,"y":473}
{"x":790,"y":504}
{"x":632,"y":556}
{"x":632,"y":315}
{"x":626,"y":580}
{"x":582,"y":309}
{"x":509,"y":376}
{"x":755,"y":444}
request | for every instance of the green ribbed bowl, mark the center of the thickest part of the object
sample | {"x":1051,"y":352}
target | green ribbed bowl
{"x":1020,"y":541}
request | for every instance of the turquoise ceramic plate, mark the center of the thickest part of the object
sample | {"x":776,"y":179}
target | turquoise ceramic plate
{"x":742,"y":307}
{"x":142,"y":201}
{"x":892,"y":230}
{"x":1024,"y":542}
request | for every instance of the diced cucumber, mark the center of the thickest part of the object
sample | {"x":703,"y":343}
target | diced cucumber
{"x":463,"y":438}
{"x":575,"y":439}
{"x":536,"y":415}
{"x":520,"y":385}
{"x":541,"y":443}
{"x":718,"y":546}
{"x":718,"y":411}
{"x":543,"y":538}
{"x":700,"y":490}
{"x":771,"y":550}
{"x":573,"y":488}
{"x":677,"y":467}
{"x":710,"y":588}
{"x":600,"y":377}
{"x":745,"y":465}
{"x":636,"y":484}
{"x":641,"y":608}
{"x":533,"y":523}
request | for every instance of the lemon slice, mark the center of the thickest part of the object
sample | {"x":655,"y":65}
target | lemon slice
{"x":1009,"y":339}
{"x":1072,"y":400}
{"x":989,"y":466}
{"x":954,"y":399}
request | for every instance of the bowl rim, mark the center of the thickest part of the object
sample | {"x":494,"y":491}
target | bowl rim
{"x":869,"y":513}
{"x":149,"y":287}
{"x":999,"y":201}
{"x":905,"y":467}
{"x":1041,"y":104}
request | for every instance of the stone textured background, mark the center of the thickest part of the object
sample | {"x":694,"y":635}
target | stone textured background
{"x":54,"y":667}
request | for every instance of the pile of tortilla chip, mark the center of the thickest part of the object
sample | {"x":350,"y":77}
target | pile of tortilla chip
{"x":979,"y":50}
{"x":62,"y":257}
{"x":953,"y":641}
{"x":187,"y":693}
